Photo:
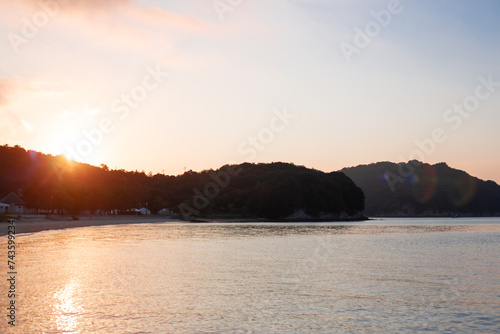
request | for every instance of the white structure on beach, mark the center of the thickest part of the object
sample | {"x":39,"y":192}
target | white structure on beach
{"x":144,"y":211}
{"x":4,"y":208}
{"x":14,"y":202}
{"x":164,"y":212}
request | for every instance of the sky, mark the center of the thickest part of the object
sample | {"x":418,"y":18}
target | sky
{"x":169,"y":86}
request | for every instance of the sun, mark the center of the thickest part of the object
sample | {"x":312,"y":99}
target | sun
{"x":75,"y":135}
{"x":56,"y":140}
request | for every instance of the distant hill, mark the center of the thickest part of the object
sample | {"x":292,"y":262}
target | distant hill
{"x":420,"y":189}
{"x":272,"y":191}
{"x":278,"y":191}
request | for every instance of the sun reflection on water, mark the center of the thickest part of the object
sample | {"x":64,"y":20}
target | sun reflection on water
{"x":67,"y":309}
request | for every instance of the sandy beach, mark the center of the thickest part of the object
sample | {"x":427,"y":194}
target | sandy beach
{"x":37,"y":224}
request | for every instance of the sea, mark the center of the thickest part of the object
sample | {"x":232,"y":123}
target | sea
{"x":438,"y":275}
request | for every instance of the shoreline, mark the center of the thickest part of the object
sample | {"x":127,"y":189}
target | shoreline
{"x":33,"y":225}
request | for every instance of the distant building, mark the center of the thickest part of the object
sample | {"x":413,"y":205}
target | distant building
{"x":15,"y":203}
{"x":164,"y":212}
{"x":144,"y":211}
{"x":4,"y":208}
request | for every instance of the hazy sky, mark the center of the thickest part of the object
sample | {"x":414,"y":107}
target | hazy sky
{"x":167,"y":85}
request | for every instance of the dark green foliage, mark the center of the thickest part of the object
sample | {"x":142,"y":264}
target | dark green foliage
{"x":278,"y":190}
{"x":273,"y":191}
{"x":419,"y":189}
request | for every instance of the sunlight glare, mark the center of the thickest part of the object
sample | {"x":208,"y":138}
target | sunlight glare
{"x":67,"y":309}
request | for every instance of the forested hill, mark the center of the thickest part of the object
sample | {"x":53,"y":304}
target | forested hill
{"x":272,"y":191}
{"x":420,"y":189}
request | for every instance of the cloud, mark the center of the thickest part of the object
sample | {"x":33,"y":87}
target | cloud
{"x":92,"y":5}
{"x":112,"y":23}
{"x":66,"y":114}
{"x":75,"y":5}
{"x":160,"y":17}
{"x":27,"y":126}
{"x":127,"y":9}
{"x":10,"y":123}
{"x":24,"y":88}
{"x":7,"y":87}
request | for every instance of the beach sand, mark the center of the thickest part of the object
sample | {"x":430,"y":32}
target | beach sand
{"x":37,"y":224}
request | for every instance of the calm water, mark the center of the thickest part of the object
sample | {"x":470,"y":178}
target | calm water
{"x":390,"y":276}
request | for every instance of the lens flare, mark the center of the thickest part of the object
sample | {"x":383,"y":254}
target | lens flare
{"x":425,"y":185}
{"x":464,"y":190}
